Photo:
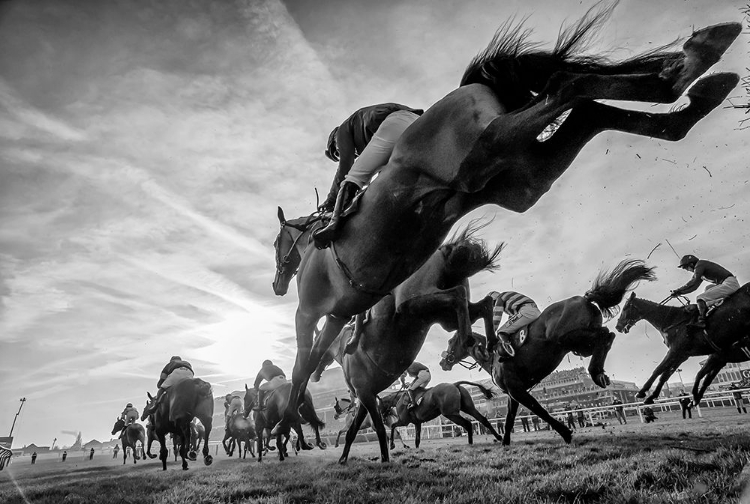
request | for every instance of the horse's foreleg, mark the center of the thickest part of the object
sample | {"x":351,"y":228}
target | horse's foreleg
{"x":603,"y":343}
{"x":708,"y":372}
{"x":510,"y":419}
{"x":449,"y":307}
{"x":417,"y":434}
{"x":163,"y":451}
{"x":351,"y":433}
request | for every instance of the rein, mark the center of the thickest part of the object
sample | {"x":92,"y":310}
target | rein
{"x":358,"y":286}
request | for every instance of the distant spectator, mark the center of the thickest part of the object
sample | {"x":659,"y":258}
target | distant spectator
{"x":64,"y":455}
{"x":686,"y":405}
{"x":648,"y":415}
{"x":738,"y":401}
{"x":581,"y":418}
{"x":619,"y":413}
{"x":91,"y":454}
{"x":33,"y":458}
{"x":525,"y":420}
{"x":115,"y":451}
{"x":535,"y":422}
{"x":571,"y":421}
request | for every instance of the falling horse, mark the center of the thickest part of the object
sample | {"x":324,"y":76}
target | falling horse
{"x":572,"y":325}
{"x":276,"y":403}
{"x":485,"y":143}
{"x":438,"y":293}
{"x":132,"y":434}
{"x":728,"y":325}
{"x":240,"y":432}
{"x":182,"y":402}
{"x":447,"y":399}
{"x":350,"y":415}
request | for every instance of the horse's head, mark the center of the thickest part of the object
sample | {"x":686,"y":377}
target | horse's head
{"x":291,"y":235}
{"x":119,"y":424}
{"x":250,"y":396}
{"x":457,"y":352}
{"x":629,"y":315}
{"x":149,"y":402}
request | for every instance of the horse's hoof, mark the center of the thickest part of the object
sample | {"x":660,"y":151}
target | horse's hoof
{"x":322,"y":445}
{"x":208,"y":460}
{"x":343,"y":460}
{"x":649,"y":400}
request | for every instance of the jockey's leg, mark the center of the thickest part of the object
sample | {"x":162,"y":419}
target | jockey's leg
{"x":324,"y":237}
{"x":353,"y":342}
{"x":702,"y":309}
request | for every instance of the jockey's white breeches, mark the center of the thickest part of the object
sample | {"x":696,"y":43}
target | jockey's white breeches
{"x":274,"y":383}
{"x":378,"y":151}
{"x":422,"y":379}
{"x":176,"y":376}
{"x":714,"y":293}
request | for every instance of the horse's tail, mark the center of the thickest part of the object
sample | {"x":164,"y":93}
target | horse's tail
{"x":487,"y":392}
{"x":515,"y":68}
{"x":309,"y":415}
{"x":610,"y":287}
{"x":468,"y":255}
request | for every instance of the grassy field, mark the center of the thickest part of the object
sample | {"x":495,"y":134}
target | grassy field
{"x":670,"y":461}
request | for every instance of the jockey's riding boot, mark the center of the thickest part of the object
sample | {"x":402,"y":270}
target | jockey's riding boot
{"x":412,"y":401}
{"x":702,"y":309}
{"x":324,"y":237}
{"x":353,"y":342}
{"x":155,"y":404}
{"x":505,"y":349}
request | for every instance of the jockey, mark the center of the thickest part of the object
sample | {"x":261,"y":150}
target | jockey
{"x":370,"y":133}
{"x":129,"y":414}
{"x":725,"y":284}
{"x":174,"y":372}
{"x":274,"y":377}
{"x":521,"y":310}
{"x":421,"y":377}
{"x":232,"y":406}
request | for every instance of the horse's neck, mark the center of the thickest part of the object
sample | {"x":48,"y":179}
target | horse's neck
{"x":660,"y":316}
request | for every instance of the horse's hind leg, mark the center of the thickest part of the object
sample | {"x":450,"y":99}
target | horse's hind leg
{"x":351,"y":433}
{"x":462,"y":422}
{"x":520,"y":394}
{"x":661,"y":80}
{"x":467,"y":406}
{"x":708,"y":372}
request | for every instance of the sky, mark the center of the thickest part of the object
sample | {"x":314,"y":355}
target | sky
{"x":145,"y":147}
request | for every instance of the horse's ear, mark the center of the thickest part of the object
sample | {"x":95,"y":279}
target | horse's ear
{"x":149,"y":396}
{"x":281,"y":216}
{"x":632,"y":295}
{"x":246,"y":389}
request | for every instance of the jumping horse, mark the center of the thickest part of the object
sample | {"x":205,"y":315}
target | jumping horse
{"x":485,"y":143}
{"x":276,"y":403}
{"x":571,"y":325}
{"x":447,"y":399}
{"x":438,"y":293}
{"x":132,"y":434}
{"x":727,"y":327}
{"x":185,"y":400}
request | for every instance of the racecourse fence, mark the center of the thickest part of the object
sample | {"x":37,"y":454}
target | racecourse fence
{"x":594,"y":416}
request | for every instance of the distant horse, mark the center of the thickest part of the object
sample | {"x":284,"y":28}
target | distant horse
{"x":572,"y":325}
{"x":197,"y":433}
{"x":349,"y":417}
{"x":438,"y":293}
{"x":447,"y":399}
{"x":276,"y":403}
{"x":240,"y":431}
{"x":182,"y":402}
{"x":133,"y":434}
{"x":490,"y":142}
{"x":727,"y":325}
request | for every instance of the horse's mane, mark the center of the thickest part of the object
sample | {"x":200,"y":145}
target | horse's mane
{"x":467,"y":255}
{"x":505,"y":65}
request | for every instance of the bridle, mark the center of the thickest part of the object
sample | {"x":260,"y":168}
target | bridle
{"x":284,"y":261}
{"x":450,"y":358}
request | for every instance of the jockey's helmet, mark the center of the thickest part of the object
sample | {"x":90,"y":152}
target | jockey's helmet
{"x":228,"y":397}
{"x":175,"y":357}
{"x":332,"y":150}
{"x":267,"y":363}
{"x":129,"y":405}
{"x":688,"y":260}
{"x":494,"y":295}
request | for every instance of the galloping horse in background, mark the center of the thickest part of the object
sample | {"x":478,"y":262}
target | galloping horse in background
{"x":133,"y":434}
{"x":438,"y":293}
{"x":351,"y":412}
{"x":728,"y":325}
{"x":489,"y":142}
{"x":447,"y":399}
{"x":184,"y":401}
{"x":276,"y":402}
{"x":197,"y":433}
{"x":572,"y":325}
{"x":240,"y":431}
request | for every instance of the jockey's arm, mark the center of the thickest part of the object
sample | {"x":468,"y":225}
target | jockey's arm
{"x":258,"y":380}
{"x":692,"y":285}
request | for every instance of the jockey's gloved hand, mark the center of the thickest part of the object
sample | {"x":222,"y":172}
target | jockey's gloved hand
{"x":674,"y":294}
{"x":327,"y":205}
